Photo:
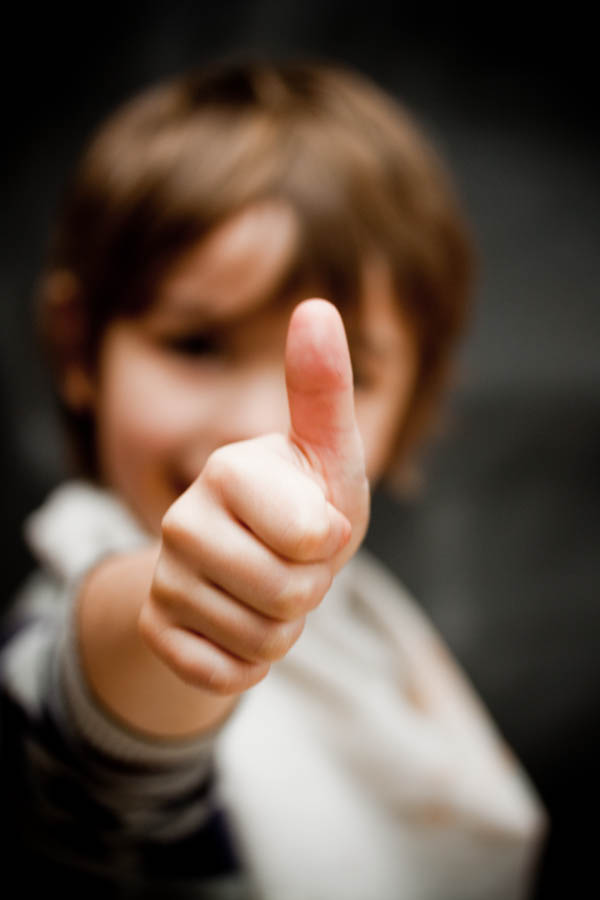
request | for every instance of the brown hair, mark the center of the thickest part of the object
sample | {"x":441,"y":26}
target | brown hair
{"x":184,"y":156}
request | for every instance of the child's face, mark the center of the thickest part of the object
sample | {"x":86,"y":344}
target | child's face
{"x":204,"y":365}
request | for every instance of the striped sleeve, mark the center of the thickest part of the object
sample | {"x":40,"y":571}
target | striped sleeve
{"x":89,"y":797}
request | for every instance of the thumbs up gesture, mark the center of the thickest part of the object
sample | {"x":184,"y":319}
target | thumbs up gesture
{"x":253,"y":545}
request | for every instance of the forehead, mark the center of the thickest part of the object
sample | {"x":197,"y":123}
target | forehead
{"x":233,"y":271}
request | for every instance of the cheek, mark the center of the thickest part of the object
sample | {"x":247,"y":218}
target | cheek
{"x":142,"y":414}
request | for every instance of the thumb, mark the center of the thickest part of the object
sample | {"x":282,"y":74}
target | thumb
{"x":321,"y":397}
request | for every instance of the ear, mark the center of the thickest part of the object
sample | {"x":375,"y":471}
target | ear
{"x":64,"y":327}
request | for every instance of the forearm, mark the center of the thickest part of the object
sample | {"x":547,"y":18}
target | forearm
{"x":123,"y":672}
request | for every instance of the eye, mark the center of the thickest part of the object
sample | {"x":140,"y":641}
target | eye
{"x":197,"y":344}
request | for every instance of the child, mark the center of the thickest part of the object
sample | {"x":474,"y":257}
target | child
{"x":167,"y":729}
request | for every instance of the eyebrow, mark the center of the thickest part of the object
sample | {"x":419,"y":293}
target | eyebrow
{"x":205,"y":313}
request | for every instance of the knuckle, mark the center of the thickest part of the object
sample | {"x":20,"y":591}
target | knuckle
{"x":308,"y":536}
{"x":186,"y":668}
{"x":321,"y":579}
{"x":287,"y":596}
{"x":172,"y":525}
{"x":164,"y":641}
{"x":166,"y":647}
{"x":232,"y":677}
{"x":304,"y":588}
{"x":198,"y":671}
{"x":253,"y":674}
{"x":163,"y":590}
{"x":219,"y":468}
{"x":277,"y":639}
{"x":216,"y":670}
{"x":222,"y":679}
{"x":183,"y":536}
{"x":147,"y":626}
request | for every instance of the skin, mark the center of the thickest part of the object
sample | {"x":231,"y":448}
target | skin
{"x":230,"y":425}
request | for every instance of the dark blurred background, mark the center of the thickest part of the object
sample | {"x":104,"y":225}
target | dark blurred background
{"x":501,"y":546}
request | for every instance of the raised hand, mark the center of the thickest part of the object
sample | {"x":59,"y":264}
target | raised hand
{"x":252,"y":546}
